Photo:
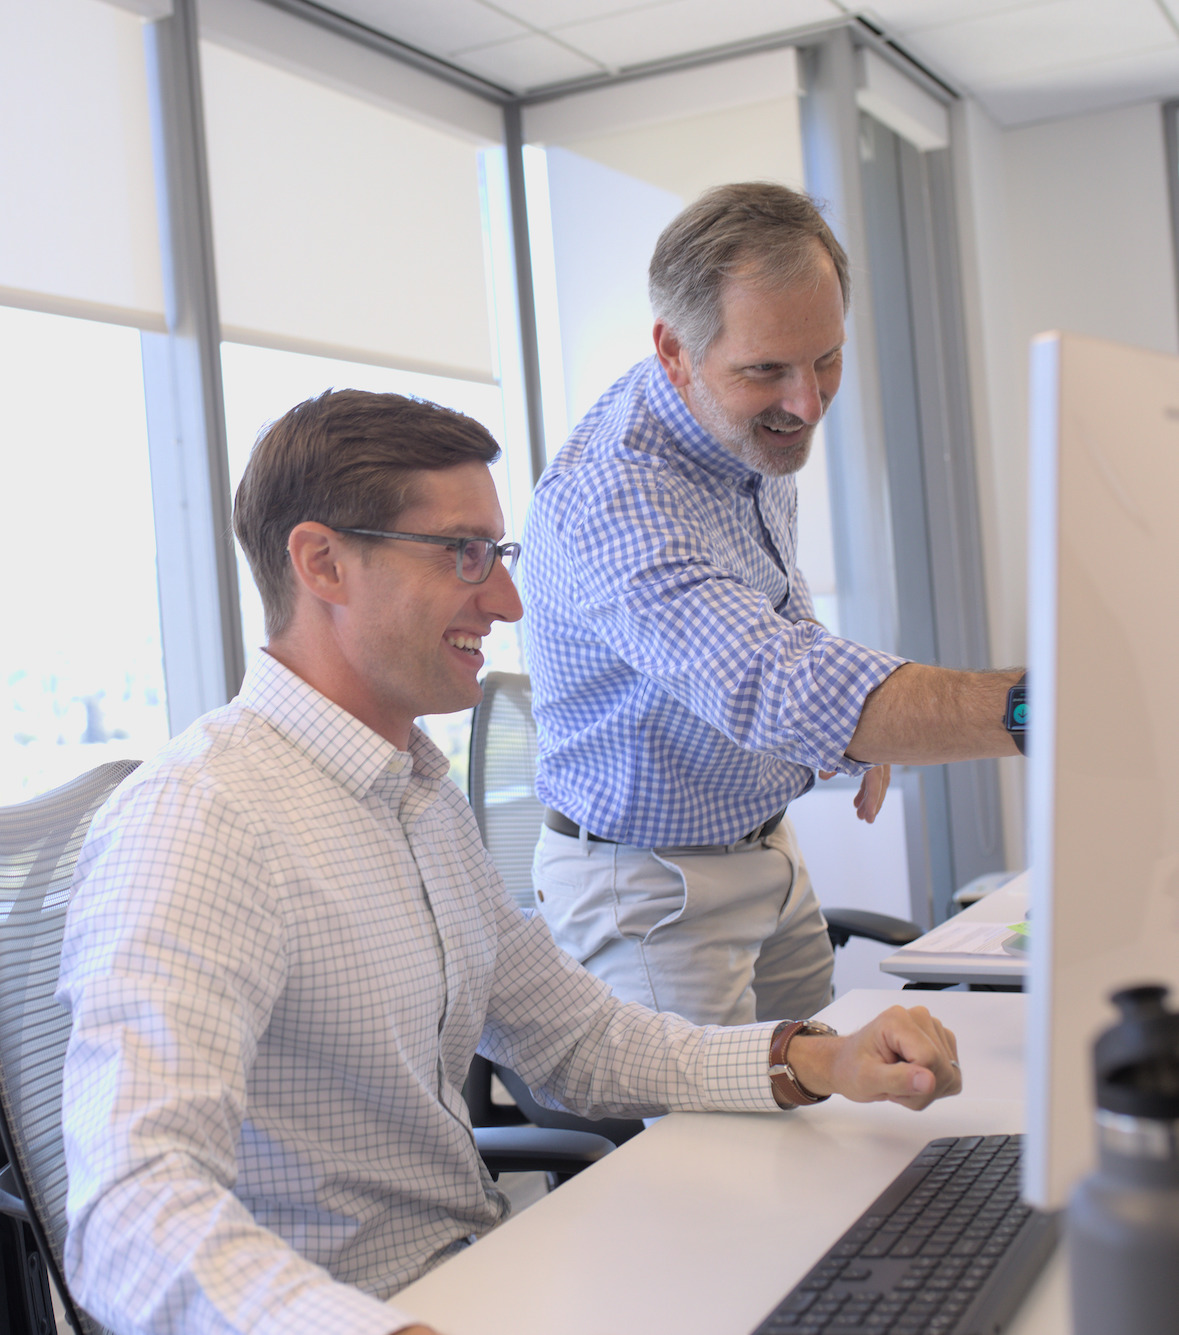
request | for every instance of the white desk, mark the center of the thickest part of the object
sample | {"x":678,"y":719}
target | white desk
{"x":1008,"y":904}
{"x":702,"y":1223}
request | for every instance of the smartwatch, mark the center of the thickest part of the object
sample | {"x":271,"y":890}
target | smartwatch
{"x":787,"y":1089}
{"x":1015,"y":716}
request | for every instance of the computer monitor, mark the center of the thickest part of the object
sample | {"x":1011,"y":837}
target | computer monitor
{"x":1103,"y":768}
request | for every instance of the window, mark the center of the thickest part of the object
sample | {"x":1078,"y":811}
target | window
{"x":81,"y":668}
{"x":81,"y":677}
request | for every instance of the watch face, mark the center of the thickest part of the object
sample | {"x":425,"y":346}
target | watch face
{"x":818,"y":1027}
{"x":1016,"y":719}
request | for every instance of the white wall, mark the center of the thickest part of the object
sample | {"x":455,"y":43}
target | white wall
{"x":856,"y":866}
{"x":1065,"y":225}
{"x":605,"y":224}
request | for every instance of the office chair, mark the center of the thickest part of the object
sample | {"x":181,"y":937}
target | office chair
{"x":500,"y":786}
{"x":39,"y":845}
{"x":500,"y":780}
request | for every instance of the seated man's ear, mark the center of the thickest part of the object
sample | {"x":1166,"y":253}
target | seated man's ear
{"x":320,"y":561}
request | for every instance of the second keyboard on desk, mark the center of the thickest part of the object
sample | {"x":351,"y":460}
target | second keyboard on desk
{"x":947,"y":1248}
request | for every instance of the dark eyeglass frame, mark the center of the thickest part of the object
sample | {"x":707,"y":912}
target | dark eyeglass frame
{"x":508,"y":552}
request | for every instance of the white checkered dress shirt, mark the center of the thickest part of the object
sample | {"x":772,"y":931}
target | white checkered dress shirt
{"x":680,"y":696}
{"x":284,"y":944}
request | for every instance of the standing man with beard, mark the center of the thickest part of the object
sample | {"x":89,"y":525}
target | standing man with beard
{"x":684,"y":692}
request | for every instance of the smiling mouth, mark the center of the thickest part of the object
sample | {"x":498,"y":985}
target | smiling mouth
{"x":470,"y":644}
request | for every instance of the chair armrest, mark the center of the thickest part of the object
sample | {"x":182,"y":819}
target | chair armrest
{"x":10,"y":1200}
{"x":538,"y":1149}
{"x":842,"y":924}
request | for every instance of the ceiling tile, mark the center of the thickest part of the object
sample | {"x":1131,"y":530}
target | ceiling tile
{"x":678,"y":27}
{"x":1024,"y":59}
{"x":1046,"y":95}
{"x":1045,"y":37}
{"x":438,"y":27}
{"x":528,"y":62}
{"x":901,"y":16}
{"x":549,"y":14}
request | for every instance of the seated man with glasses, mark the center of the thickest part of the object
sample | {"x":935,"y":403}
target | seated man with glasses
{"x":286,"y":942}
{"x":473,"y":557}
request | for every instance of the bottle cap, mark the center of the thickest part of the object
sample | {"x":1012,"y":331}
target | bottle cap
{"x":1137,"y":1060}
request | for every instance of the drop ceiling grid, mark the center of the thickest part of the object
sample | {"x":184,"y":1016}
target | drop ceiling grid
{"x":1022,"y":60}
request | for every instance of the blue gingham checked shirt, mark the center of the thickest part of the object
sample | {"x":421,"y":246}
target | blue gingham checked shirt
{"x":284,"y":944}
{"x":679,"y":695}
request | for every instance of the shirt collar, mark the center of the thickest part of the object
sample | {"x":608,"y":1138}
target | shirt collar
{"x":692,"y":440}
{"x":348,"y":751}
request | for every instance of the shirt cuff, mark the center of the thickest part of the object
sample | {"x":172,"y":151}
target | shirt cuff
{"x":334,"y":1306}
{"x":847,"y":673}
{"x":736,"y":1068}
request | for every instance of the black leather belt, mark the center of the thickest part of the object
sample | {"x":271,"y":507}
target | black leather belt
{"x":561,"y":824}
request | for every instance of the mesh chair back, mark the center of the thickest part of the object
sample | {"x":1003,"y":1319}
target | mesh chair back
{"x":501,"y":776}
{"x":39,"y":845}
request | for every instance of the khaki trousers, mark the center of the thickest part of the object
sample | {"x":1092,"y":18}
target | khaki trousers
{"x":720,"y":938}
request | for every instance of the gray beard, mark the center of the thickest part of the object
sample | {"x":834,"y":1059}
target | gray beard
{"x":743,"y":439}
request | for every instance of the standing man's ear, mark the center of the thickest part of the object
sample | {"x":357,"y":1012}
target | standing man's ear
{"x":672,"y":354}
{"x":317,"y":561}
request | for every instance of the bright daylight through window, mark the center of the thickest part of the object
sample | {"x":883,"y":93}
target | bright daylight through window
{"x":81,"y":669}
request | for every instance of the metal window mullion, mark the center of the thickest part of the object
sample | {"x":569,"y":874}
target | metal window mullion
{"x":525,"y":294}
{"x":1171,"y":148}
{"x":857,"y":466}
{"x":199,"y":607}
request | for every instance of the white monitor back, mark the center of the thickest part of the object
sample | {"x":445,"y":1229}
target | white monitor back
{"x":1104,"y":699}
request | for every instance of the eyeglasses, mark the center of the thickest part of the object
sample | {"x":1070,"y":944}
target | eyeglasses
{"x":473,"y":557}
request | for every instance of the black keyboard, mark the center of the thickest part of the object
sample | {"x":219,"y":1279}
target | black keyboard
{"x":948,"y":1248}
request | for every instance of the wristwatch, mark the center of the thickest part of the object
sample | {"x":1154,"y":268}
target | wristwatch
{"x":1015,"y":716}
{"x":787,"y":1088}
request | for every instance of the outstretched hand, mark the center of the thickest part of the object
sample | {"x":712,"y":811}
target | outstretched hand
{"x":905,"y":1055}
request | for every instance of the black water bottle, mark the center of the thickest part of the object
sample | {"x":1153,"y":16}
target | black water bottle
{"x":1123,"y":1219}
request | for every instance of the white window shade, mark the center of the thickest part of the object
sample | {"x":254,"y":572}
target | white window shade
{"x":342,"y":228}
{"x":78,"y":233}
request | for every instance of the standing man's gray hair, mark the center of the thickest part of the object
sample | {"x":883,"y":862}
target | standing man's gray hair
{"x":760,"y":230}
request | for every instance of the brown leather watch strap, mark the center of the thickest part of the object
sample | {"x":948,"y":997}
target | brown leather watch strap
{"x":787,"y":1086}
